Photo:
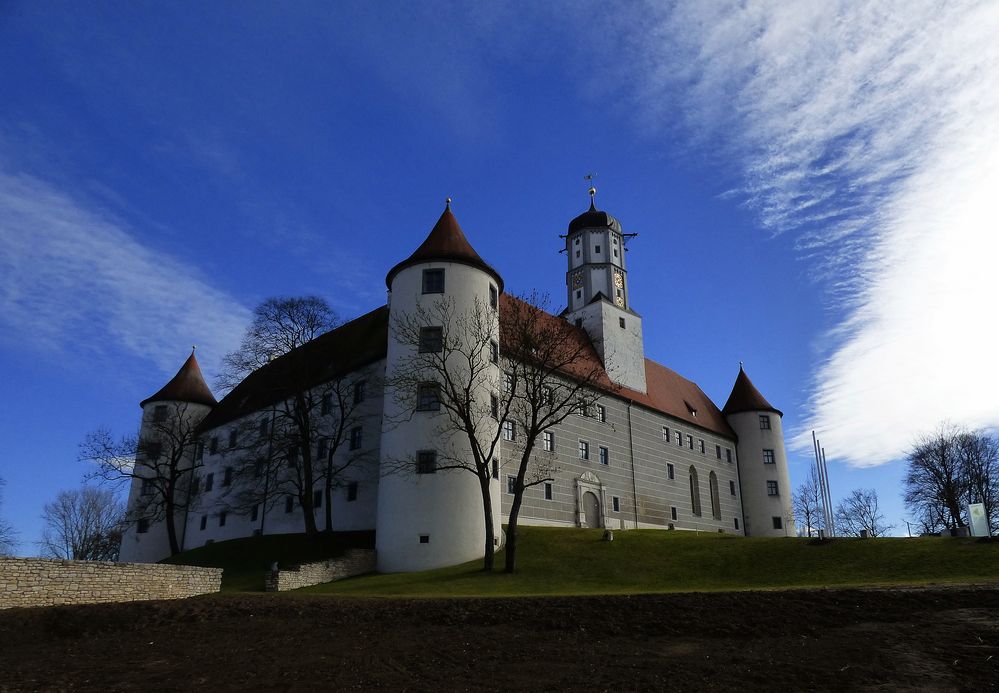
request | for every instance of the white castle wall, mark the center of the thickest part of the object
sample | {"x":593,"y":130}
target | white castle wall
{"x":446,"y":506}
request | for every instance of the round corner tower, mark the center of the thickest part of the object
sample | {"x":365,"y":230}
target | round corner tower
{"x":429,"y":518}
{"x":763,"y":473}
{"x":169,"y":418}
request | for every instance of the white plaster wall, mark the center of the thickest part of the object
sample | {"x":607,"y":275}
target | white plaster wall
{"x":622,"y":350}
{"x":447,"y":506}
{"x":758,"y":507}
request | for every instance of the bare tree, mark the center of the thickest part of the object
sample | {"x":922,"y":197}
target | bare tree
{"x":314,"y":407}
{"x":84,"y":525}
{"x":163,"y":461}
{"x":8,"y":536}
{"x":859,"y":511}
{"x":806,"y":503}
{"x":979,"y":458}
{"x":448,"y":375}
{"x":934,"y":481}
{"x":552,"y":372}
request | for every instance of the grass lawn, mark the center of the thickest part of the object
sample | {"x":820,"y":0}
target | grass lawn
{"x":556,"y":561}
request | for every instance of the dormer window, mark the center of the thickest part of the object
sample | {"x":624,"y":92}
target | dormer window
{"x":433,"y":281}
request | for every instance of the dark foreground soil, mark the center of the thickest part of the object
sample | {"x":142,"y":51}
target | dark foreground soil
{"x":842,"y":640}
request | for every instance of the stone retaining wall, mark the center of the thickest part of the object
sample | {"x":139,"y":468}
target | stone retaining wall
{"x":45,"y":582}
{"x":354,"y":562}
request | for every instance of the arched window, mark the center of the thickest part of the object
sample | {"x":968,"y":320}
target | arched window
{"x":715,"y":501}
{"x":695,"y":493}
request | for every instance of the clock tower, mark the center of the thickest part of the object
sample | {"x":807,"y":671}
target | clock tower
{"x":599,"y":302}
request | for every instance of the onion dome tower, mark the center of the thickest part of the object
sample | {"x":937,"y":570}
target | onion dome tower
{"x":598,"y":298}
{"x":763,"y":475}
{"x":169,"y":418}
{"x":430,"y":517}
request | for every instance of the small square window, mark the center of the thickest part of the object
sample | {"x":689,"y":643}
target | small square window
{"x":511,"y":484}
{"x":672,"y":512}
{"x":584,"y":450}
{"x":778,"y":522}
{"x":772,"y":490}
{"x":493,"y":297}
{"x":433,"y":281}
{"x":768,"y":456}
{"x":509,"y":430}
{"x":764,"y":422}
{"x":352,"y":491}
{"x":159,"y":413}
{"x":426,"y":462}
{"x":355,"y":438}
{"x":233,"y":436}
{"x":424,"y":538}
{"x":204,"y":522}
{"x":494,"y":352}
{"x":616,"y":504}
{"x":317,"y":499}
{"x":143,"y":526}
{"x":670,"y":471}
{"x":222,"y":517}
{"x":601,"y":413}
{"x":254,"y":513}
{"x":428,"y":397}
{"x":209,"y":482}
{"x":620,"y":321}
{"x":431,"y":340}
{"x":604,"y":455}
{"x":731,"y":487}
{"x":359,"y":392}
{"x":548,"y":490}
{"x":289,"y":503}
{"x":548,"y":440}
{"x":327,"y":404}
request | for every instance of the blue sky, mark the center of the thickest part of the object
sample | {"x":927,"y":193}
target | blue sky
{"x":812,"y":185}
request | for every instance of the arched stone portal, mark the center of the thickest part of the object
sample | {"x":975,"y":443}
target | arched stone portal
{"x":589,"y":500}
{"x":591,"y":509}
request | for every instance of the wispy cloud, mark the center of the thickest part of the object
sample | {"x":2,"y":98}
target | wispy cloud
{"x":74,"y":280}
{"x":870,"y":131}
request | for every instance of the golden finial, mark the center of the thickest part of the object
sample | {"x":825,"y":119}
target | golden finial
{"x":194,"y":347}
{"x":447,"y":203}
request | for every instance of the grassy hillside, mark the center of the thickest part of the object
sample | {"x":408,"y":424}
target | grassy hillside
{"x":577,"y":561}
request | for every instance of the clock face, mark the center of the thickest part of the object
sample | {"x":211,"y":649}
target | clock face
{"x":577,"y":281}
{"x":618,"y":281}
{"x":620,"y":301}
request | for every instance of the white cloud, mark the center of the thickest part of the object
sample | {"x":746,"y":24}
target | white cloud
{"x":871,"y":131}
{"x":74,"y":280}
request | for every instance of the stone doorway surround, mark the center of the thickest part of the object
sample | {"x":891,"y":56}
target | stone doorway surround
{"x":589,"y":482}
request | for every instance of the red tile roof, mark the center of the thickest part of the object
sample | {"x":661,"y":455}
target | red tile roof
{"x":745,"y":397}
{"x":187,"y":386}
{"x":446,"y":243}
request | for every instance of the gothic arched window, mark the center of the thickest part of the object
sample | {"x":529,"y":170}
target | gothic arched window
{"x":715,"y":501}
{"x":695,"y":493}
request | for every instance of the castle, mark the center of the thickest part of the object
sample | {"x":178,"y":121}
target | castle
{"x":654,"y":451}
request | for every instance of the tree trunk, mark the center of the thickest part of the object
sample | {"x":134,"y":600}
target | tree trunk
{"x":489,"y":556}
{"x":511,"y":532}
{"x":308,"y":512}
{"x":329,"y":507}
{"x":172,"y":528}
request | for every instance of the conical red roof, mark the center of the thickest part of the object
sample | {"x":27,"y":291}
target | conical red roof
{"x":745,"y":397}
{"x":187,"y":386}
{"x":446,"y":243}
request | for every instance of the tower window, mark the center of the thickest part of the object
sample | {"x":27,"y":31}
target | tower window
{"x":431,"y":340}
{"x":317,"y":499}
{"x":289,"y":503}
{"x":778,"y":522}
{"x":728,"y":455}
{"x":428,"y":397}
{"x":493,"y":296}
{"x":352,"y":491}
{"x":494,"y":406}
{"x":731,"y":489}
{"x":160,"y":413}
{"x":620,"y":321}
{"x":772,"y":491}
{"x":254,"y":513}
{"x":222,"y":516}
{"x":577,"y":253}
{"x":227,"y":476}
{"x":579,"y":294}
{"x":768,"y":457}
{"x":143,"y":526}
{"x":233,"y":437}
{"x":597,"y":249}
{"x":426,"y":462}
{"x":358,"y":392}
{"x":355,"y":437}
{"x":204,"y":522}
{"x":494,"y":352}
{"x":213,"y":445}
{"x":424,"y":538}
{"x":209,"y":482}
{"x":579,"y":322}
{"x":764,"y":422}
{"x":433,"y":281}
{"x":495,"y":468}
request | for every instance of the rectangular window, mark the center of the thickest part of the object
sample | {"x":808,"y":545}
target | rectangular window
{"x":494,"y":406}
{"x":768,"y":456}
{"x":580,"y":408}
{"x":731,"y":487}
{"x":494,"y":352}
{"x":209,"y":482}
{"x":227,"y":476}
{"x":426,"y":462}
{"x":199,"y":451}
{"x":665,"y":434}
{"x":511,"y":484}
{"x":508,"y":382}
{"x":620,"y":321}
{"x":700,"y":445}
{"x":548,"y":440}
{"x":604,"y":455}
{"x":778,"y":522}
{"x":728,"y":455}
{"x":579,"y":321}
{"x":424,"y":538}
{"x":327,"y":404}
{"x":509,"y":430}
{"x":222,"y":516}
{"x":584,"y":450}
{"x":736,"y":520}
{"x":679,"y":439}
{"x":670,"y":471}
{"x":495,"y":468}
{"x":358,"y":392}
{"x":153,"y":450}
{"x":428,"y":397}
{"x":601,"y":413}
{"x":431,"y":340}
{"x":597,"y":249}
{"x":159,"y":413}
{"x":204,"y":522}
{"x":772,"y":489}
{"x":718,"y":451}
{"x":143,"y":526}
{"x":547,"y":396}
{"x":317,"y":499}
{"x":672,"y":512}
{"x":355,"y":438}
{"x":690,"y":441}
{"x":233,"y":434}
{"x":433,"y":281}
{"x":493,"y":297}
{"x":352,"y":491}
{"x":147,"y":487}
{"x":616,"y":504}
{"x":289,"y":503}
{"x":213,"y":446}
{"x":254,"y":513}
{"x":764,"y":422}
{"x":323,"y":449}
{"x":548,"y":490}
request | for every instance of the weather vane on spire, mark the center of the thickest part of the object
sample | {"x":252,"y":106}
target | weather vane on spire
{"x":593,"y":191}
